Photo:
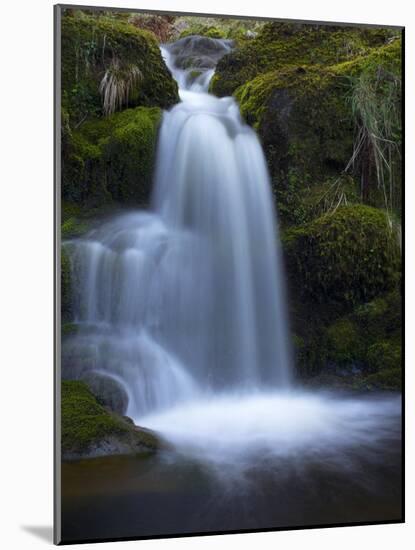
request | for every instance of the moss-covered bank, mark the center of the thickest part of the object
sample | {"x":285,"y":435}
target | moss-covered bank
{"x":279,"y":45}
{"x":89,"y":430}
{"x":345,"y":257}
{"x":361,"y":350}
{"x":94,"y":44}
{"x":344,"y":279}
{"x":111,"y":159}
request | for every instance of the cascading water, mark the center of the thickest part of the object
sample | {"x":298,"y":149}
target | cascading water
{"x":184,"y":305}
{"x":189,"y":298}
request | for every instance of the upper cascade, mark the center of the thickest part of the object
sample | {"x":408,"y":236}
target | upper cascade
{"x":192,"y":60}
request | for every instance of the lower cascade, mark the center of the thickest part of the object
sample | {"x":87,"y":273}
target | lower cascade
{"x":187,"y":298}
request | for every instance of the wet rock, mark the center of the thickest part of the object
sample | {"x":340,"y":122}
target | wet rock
{"x":88,"y":430}
{"x":198,"y":51}
{"x":108,"y":392}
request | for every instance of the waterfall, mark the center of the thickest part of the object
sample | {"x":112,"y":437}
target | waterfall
{"x":188,"y":298}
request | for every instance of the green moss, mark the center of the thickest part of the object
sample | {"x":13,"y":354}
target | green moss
{"x":311,"y":358}
{"x":386,"y":58}
{"x":217,"y":27}
{"x":112,"y":159}
{"x":90,"y":43}
{"x":344,"y":342}
{"x":293,"y":84}
{"x":73,"y":228}
{"x":304,"y":123}
{"x":69,"y":210}
{"x":279,"y":45}
{"x":203,"y":30}
{"x":389,"y":379}
{"x":84,"y":422}
{"x":384,"y":355}
{"x":381,"y":318}
{"x":348,"y":257}
{"x":360,"y":344}
{"x":194,"y":74}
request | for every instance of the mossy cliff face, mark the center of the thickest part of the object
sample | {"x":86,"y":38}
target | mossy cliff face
{"x":360,"y":350}
{"x":112,"y":158}
{"x":343,"y":274}
{"x":279,"y":45}
{"x":89,"y":430}
{"x":107,"y":159}
{"x":368,"y":343}
{"x":294,"y":84}
{"x":90,"y":44}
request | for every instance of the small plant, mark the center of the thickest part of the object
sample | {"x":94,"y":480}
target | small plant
{"x":375,"y":103}
{"x":117,"y":85}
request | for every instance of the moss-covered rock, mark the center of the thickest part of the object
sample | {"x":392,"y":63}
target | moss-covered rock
{"x":112,"y":159}
{"x":108,"y":392}
{"x":295,"y":85}
{"x":279,"y":45}
{"x":240,"y":30}
{"x":344,"y":342}
{"x":304,"y":123}
{"x":388,"y":379}
{"x":89,"y":430}
{"x":384,"y":355}
{"x":91,"y":45}
{"x":73,"y":228}
{"x":203,"y":30}
{"x":360,"y":349}
{"x":343,"y":275}
{"x":383,"y":58}
{"x":381,"y":317}
{"x":346,"y":257}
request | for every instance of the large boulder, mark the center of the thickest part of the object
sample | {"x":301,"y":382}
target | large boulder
{"x":301,"y":116}
{"x":111,"y":159}
{"x":345,"y":257}
{"x":361,"y":349}
{"x":200,"y":52}
{"x":108,"y":392}
{"x":303,"y":89}
{"x":95,"y":44}
{"x":306,"y":117}
{"x":89,"y":430}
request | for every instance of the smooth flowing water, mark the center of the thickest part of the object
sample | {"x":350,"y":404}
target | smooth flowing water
{"x":188,"y":299}
{"x":184,"y":307}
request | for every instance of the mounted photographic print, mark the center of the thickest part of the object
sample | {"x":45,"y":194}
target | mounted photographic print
{"x":229,"y":237}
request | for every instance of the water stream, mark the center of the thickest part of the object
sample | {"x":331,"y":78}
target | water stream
{"x":188,"y":299}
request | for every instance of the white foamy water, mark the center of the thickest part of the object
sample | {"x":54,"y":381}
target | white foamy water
{"x":237,"y":430}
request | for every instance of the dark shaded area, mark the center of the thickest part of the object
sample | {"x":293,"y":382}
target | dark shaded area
{"x":134,"y":497}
